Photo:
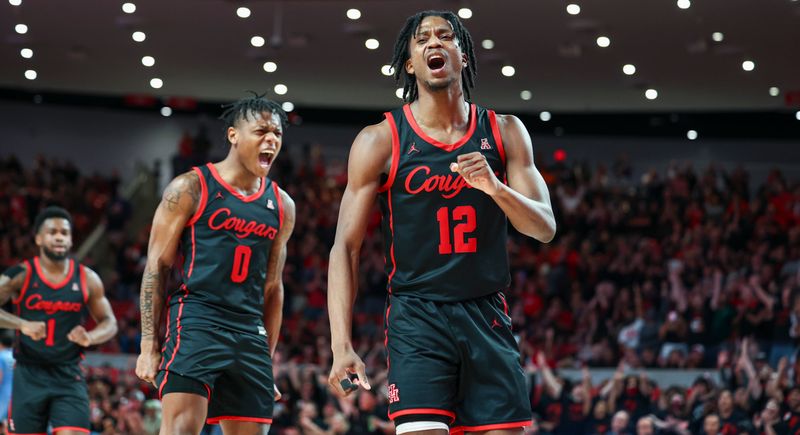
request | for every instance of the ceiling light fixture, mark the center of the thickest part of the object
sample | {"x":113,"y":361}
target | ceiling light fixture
{"x":257,"y":41}
{"x":372,"y":44}
{"x":270,"y":67}
{"x":629,"y":69}
{"x":243,"y":12}
{"x":573,"y":9}
{"x":353,"y":14}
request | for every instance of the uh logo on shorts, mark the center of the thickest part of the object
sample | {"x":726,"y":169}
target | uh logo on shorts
{"x":394,"y":393}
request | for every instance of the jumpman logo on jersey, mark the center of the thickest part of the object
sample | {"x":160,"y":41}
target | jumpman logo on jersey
{"x":219,"y":196}
{"x":485,"y":144}
{"x":413,"y":148}
{"x":496,"y":324}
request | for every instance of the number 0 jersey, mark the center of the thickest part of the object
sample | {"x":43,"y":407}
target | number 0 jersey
{"x":60,"y":305}
{"x":226,"y":246}
{"x":444,"y":240}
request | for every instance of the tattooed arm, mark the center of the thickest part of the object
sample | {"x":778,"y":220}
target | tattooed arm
{"x":273,"y":290}
{"x":178,"y":204}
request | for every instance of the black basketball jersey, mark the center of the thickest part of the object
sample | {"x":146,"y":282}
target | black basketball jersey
{"x":225,"y":248}
{"x":61,"y":306}
{"x":444,"y":240}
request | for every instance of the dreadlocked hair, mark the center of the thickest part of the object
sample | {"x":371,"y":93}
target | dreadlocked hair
{"x":247,"y":108}
{"x":401,"y":53}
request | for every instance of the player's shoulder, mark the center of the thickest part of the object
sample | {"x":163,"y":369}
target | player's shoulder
{"x":186,"y":180}
{"x":375,"y":134}
{"x":507,"y":121}
{"x":90,"y":274}
{"x":286,"y":199}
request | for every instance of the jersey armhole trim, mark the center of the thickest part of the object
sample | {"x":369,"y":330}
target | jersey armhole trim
{"x":203,"y":197}
{"x":280,"y":203}
{"x":84,"y":287}
{"x":498,"y":139}
{"x":395,"y":153}
{"x":25,"y":284}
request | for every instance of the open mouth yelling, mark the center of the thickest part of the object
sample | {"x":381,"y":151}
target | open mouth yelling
{"x":436,"y":62}
{"x":265,"y":158}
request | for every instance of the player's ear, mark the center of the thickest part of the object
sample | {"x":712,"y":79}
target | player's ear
{"x":464,"y":60}
{"x":233,"y":135}
{"x":409,"y":67}
{"x":39,"y":238}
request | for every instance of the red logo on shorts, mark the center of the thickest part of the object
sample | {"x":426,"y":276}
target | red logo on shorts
{"x":496,"y":324}
{"x":394,"y":394}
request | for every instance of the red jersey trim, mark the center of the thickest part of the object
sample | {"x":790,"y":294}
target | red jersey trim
{"x":50,"y":284}
{"x":386,"y":337}
{"x":84,"y":286}
{"x":76,"y":429}
{"x":395,"y":153}
{"x":491,"y":427}
{"x":191,"y":262}
{"x":203,"y":197}
{"x":280,"y":203}
{"x":417,"y":411}
{"x":177,"y":340}
{"x":446,"y":147}
{"x":498,"y":138}
{"x":28,"y":273}
{"x":233,"y":191}
{"x":216,"y":420}
{"x":391,"y":247}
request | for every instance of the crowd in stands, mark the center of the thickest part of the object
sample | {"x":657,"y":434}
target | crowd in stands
{"x":679,"y":267}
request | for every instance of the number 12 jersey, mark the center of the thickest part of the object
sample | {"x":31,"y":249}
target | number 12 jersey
{"x":444,"y":240}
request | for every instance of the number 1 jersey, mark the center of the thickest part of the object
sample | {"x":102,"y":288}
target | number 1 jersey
{"x":225,"y":247}
{"x":444,"y":240}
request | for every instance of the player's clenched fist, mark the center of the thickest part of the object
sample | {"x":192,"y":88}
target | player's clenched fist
{"x":80,"y":336}
{"x":34,"y":330}
{"x":147,"y":366}
{"x":477,"y":172}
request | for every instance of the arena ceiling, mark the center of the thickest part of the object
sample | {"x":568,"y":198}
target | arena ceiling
{"x":203,"y":50}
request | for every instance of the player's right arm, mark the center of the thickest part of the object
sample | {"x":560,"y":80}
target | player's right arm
{"x":11,"y":282}
{"x":178,"y":203}
{"x":370,"y":156}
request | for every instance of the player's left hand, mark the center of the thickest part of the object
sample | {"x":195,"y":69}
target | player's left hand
{"x":277,"y":393}
{"x":80,"y":336}
{"x":476,"y":172}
